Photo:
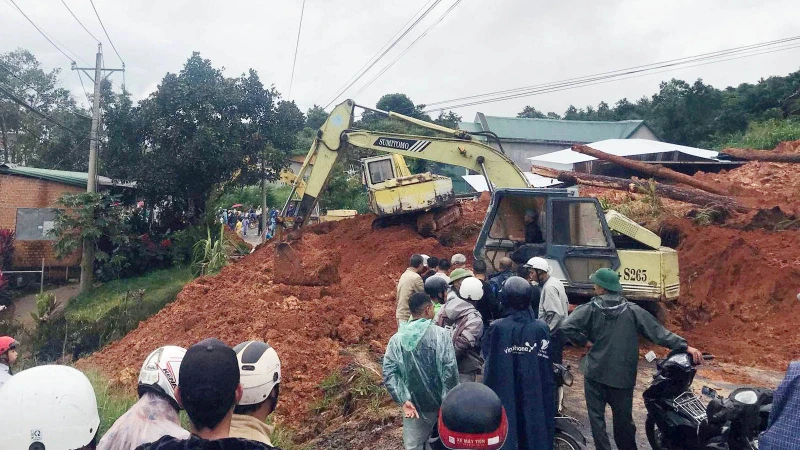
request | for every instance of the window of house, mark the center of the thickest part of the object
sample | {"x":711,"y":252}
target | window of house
{"x":34,"y":224}
{"x":380,"y":171}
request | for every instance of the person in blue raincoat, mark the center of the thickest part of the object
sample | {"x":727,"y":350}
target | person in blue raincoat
{"x":419,"y":368}
{"x":519,"y":371}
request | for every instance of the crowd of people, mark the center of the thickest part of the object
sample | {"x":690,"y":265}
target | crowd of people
{"x":471,"y":367}
{"x":249,"y":220}
{"x":457,"y":326}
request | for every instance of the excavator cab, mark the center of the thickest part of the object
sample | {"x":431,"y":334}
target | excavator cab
{"x":570,"y":232}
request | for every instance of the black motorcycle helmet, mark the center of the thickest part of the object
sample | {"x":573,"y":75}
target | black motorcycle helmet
{"x":435,"y":286}
{"x":516,"y":293}
{"x":472,"y":417}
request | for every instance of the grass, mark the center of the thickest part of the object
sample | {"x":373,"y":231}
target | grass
{"x":160,"y":287}
{"x":764,"y":135}
{"x":112,"y":401}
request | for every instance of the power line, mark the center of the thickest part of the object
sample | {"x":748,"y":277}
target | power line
{"x":79,"y":21}
{"x":381,"y":53}
{"x":424,"y":33}
{"x":296,"y":46}
{"x":32,"y":87}
{"x":106,"y":32}
{"x":628,"y":70}
{"x":8,"y":93}
{"x":40,"y":31}
{"x":556,"y":87}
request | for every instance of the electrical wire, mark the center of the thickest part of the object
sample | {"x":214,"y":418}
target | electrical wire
{"x":557,"y":87}
{"x":106,"y":32}
{"x":32,"y":87}
{"x":424,"y":33}
{"x":79,"y":21}
{"x":385,"y":49}
{"x":296,"y":47}
{"x":8,"y":93}
{"x":627,"y":71}
{"x":40,"y":31}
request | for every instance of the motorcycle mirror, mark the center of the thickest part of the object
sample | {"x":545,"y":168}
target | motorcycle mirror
{"x":709,"y":392}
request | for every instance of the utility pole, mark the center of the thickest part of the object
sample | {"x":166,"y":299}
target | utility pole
{"x":264,"y":214}
{"x":87,"y":260}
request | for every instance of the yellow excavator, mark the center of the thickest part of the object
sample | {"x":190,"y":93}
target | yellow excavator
{"x":572,"y":233}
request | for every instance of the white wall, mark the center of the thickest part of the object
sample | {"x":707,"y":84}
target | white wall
{"x":644,"y":133}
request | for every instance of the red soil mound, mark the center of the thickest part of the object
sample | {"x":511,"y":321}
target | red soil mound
{"x":309,"y":323}
{"x":738,"y":293}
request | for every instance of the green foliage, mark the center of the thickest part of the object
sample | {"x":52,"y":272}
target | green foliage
{"x":107,"y":313}
{"x":27,"y":139}
{"x":88,"y":217}
{"x":315,"y":117}
{"x":249,"y":196}
{"x":45,"y":307}
{"x":210,"y":254}
{"x":344,"y":192}
{"x":764,"y":135}
{"x":449,"y":120}
{"x":6,"y":248}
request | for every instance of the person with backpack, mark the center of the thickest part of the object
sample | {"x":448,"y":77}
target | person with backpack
{"x":462,"y":319}
{"x":156,"y":413}
{"x":498,"y":279}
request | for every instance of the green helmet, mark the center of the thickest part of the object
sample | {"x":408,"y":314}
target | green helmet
{"x":459,"y":274}
{"x":607,"y":279}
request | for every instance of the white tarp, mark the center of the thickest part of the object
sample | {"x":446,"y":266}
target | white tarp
{"x":564,"y":159}
{"x":478,"y":182}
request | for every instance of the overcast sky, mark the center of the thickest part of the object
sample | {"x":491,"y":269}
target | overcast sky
{"x":482,"y":46}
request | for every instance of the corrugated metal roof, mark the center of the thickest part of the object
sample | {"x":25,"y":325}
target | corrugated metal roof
{"x":60,"y":176}
{"x":478,"y":182}
{"x":565,"y":159}
{"x":554,"y":130}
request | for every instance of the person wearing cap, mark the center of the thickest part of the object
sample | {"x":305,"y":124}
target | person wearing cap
{"x":260,"y":372}
{"x":208,"y":389}
{"x":458,"y":261}
{"x":612,"y":326}
{"x":8,"y":357}
{"x":553,"y":304}
{"x":156,"y":413}
{"x":460,"y":317}
{"x":455,"y":279}
{"x":419,"y":368}
{"x":410,"y":283}
{"x":472,"y":417}
{"x":519,"y":371}
{"x":48,"y":407}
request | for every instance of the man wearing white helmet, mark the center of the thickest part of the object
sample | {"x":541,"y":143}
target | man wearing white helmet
{"x":553,"y":304}
{"x":156,"y":413}
{"x":462,"y":319}
{"x":260,"y":371}
{"x":48,"y":408}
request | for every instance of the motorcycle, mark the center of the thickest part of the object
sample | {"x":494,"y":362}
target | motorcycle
{"x":677,"y":419}
{"x":567,"y":435}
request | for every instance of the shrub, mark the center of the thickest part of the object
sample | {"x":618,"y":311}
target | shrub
{"x":6,"y":249}
{"x":211,"y":255}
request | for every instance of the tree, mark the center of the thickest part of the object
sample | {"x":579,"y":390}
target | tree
{"x":315,"y":117}
{"x":449,"y":120}
{"x":530,"y":112}
{"x":29,"y":139}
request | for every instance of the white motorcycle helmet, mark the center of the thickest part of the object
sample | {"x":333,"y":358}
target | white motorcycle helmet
{"x":48,"y":408}
{"x":259,"y":369}
{"x":159,"y":372}
{"x":471,"y":289}
{"x":538,"y":263}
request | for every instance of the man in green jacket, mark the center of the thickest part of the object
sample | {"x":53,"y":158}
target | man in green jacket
{"x":611,"y":326}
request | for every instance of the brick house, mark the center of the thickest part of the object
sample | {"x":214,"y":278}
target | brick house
{"x":28,"y":202}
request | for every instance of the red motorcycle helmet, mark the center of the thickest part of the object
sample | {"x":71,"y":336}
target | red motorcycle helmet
{"x":472,"y":417}
{"x":7,"y":343}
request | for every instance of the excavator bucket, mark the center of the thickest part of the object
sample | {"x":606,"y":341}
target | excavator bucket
{"x":286,"y":255}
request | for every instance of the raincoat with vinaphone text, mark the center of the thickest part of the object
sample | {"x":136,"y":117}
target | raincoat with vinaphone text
{"x":420,"y":365}
{"x":519,"y":371}
{"x":151,"y":418}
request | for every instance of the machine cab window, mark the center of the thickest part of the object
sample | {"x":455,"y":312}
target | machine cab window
{"x":579,"y":224}
{"x":520,"y":219}
{"x":380,"y":170}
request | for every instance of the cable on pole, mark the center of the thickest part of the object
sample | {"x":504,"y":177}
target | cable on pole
{"x":381,"y":53}
{"x":296,"y":47}
{"x":79,"y":21}
{"x":106,"y":32}
{"x":40,"y":31}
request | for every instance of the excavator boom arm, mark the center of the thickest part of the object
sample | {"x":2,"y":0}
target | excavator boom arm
{"x":462,"y":150}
